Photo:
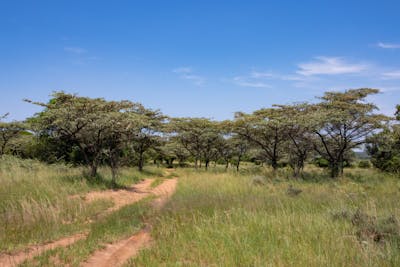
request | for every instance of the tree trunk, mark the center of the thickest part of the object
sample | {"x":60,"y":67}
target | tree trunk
{"x":335,"y":169}
{"x":238,"y":163}
{"x":274,"y":164}
{"x":114,"y":176}
{"x":206,"y":164}
{"x":296,"y":171}
{"x":93,"y":170}
{"x":140,"y":162}
{"x":181,"y":163}
{"x":227,"y":165}
{"x":3,"y":149}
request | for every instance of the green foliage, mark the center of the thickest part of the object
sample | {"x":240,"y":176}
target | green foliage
{"x":384,"y":147}
{"x":94,"y":131}
{"x":264,"y":128}
{"x":321,"y":162}
{"x":342,"y":122}
{"x":364,"y":164}
{"x":8,"y":132}
{"x":199,"y":136}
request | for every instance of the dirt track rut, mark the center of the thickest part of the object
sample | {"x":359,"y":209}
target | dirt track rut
{"x":116,"y":254}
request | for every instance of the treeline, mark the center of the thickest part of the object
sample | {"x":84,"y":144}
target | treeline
{"x":95,"y":132}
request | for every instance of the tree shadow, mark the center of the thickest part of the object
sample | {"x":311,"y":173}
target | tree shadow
{"x":98,"y":181}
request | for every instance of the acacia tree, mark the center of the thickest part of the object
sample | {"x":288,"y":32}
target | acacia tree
{"x":210,"y":140}
{"x":172,"y":150}
{"x":384,"y":147}
{"x":299,"y":137}
{"x":144,"y":133}
{"x":82,"y":122}
{"x":240,"y":147}
{"x":116,"y":139}
{"x":264,"y":128}
{"x":8,"y":132}
{"x":234,"y":147}
{"x":341,"y":122}
{"x":187,"y":132}
{"x":199,"y":136}
{"x":225,"y":150}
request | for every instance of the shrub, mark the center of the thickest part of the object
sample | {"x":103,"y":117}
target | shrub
{"x":364,"y":164}
{"x":321,"y":162}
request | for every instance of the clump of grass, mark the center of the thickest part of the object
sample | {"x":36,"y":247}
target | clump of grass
{"x":371,"y":228}
{"x":116,"y":225}
{"x":258,"y":180}
{"x":292,"y":191}
{"x":36,"y":204}
{"x":157,"y":182}
{"x":220,"y":219}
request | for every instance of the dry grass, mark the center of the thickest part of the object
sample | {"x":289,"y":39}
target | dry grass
{"x":224,"y":219}
{"x":36,"y":204}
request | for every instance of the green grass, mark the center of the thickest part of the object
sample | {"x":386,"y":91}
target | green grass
{"x":115,"y":226}
{"x":157,"y":182}
{"x":36,"y":204}
{"x":223,"y":219}
{"x":215,"y":218}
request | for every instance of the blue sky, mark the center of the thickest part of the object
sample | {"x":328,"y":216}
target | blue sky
{"x":197,"y":58}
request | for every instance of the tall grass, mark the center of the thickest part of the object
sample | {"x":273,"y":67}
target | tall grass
{"x":225,"y":219}
{"x":36,"y":203}
{"x":115,"y":226}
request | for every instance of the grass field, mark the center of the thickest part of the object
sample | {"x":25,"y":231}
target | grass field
{"x":117,"y":225}
{"x":256,"y":217}
{"x":229,"y":219}
{"x":36,"y":204}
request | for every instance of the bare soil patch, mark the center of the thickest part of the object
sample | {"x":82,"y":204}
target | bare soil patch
{"x":118,"y":253}
{"x":17,"y":258}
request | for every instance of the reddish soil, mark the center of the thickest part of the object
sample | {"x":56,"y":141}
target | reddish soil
{"x":118,"y":253}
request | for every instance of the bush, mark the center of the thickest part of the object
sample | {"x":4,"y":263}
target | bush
{"x":321,"y":162}
{"x":364,"y":164}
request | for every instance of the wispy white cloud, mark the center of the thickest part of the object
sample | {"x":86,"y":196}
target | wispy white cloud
{"x":329,"y":66}
{"x":388,"y":45}
{"x":391,"y":75}
{"x":188,"y":74}
{"x":263,"y":79}
{"x":75,"y":50}
{"x":248,"y":82}
{"x":182,"y":70}
{"x":276,"y":76}
{"x":265,"y":74}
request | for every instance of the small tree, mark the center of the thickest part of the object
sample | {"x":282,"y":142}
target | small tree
{"x":384,"y":147}
{"x":265,"y":128}
{"x":144,"y":133}
{"x":83,"y":122}
{"x":299,"y":137}
{"x":8,"y":132}
{"x":341,"y":122}
{"x":240,"y":147}
{"x":198,"y":136}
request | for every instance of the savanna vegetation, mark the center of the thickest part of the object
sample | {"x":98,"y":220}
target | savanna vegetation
{"x":307,"y":184}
